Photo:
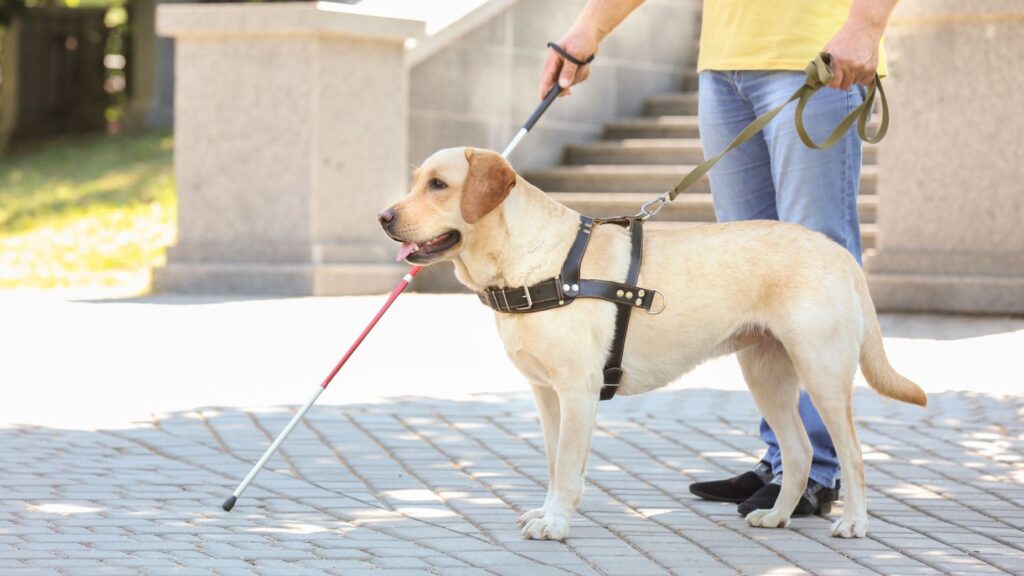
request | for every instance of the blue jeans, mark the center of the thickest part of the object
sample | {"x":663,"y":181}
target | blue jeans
{"x":773,"y":176}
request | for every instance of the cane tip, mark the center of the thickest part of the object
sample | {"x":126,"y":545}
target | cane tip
{"x":229,"y":503}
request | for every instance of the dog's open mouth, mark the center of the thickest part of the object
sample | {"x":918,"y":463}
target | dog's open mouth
{"x":420,"y":252}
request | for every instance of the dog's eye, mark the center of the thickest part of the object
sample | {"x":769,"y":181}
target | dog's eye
{"x":436,"y":184}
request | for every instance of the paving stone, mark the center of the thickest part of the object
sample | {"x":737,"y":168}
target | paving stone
{"x":432,"y":486}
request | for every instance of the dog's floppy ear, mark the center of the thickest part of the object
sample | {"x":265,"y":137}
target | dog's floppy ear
{"x":488,"y":182}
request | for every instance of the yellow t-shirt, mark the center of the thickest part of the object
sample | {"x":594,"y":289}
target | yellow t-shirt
{"x":769,"y":34}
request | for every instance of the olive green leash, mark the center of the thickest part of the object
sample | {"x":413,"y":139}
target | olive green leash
{"x":818,"y":76}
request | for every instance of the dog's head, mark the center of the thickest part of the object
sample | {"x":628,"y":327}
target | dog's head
{"x":452,"y":191}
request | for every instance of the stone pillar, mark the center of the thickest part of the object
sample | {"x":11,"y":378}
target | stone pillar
{"x":142,"y":68}
{"x":290,"y":134}
{"x":951,"y":203}
{"x":160,"y":113}
{"x":9,"y":85}
{"x":152,"y":71}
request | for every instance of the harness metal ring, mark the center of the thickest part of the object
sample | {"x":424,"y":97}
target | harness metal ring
{"x":664,"y":303}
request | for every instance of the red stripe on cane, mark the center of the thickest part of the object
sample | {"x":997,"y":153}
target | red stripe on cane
{"x":394,"y":294}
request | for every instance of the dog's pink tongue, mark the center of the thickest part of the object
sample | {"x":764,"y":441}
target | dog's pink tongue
{"x":406,"y":249}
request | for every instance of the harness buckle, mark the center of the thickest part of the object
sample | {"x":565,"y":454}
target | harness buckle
{"x":651,"y":208}
{"x":503,"y":305}
{"x":529,"y":299}
{"x":492,"y":296}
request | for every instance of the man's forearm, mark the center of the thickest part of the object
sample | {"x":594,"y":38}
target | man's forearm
{"x":603,"y":16}
{"x":872,"y":15}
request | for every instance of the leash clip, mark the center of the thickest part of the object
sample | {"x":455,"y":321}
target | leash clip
{"x":651,"y":208}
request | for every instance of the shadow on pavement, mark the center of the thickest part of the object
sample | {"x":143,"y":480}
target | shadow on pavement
{"x":432,"y":485}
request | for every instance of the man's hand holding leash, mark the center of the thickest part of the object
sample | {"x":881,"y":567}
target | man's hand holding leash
{"x":854,"y":49}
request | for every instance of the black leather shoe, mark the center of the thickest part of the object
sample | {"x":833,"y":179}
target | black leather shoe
{"x":736,"y":489}
{"x":816,"y":499}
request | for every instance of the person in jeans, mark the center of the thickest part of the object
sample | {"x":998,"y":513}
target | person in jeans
{"x":752,"y":57}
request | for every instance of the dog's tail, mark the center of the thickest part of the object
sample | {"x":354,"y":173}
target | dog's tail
{"x":882,"y":377}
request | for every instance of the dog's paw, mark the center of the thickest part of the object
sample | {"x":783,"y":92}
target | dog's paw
{"x":548,"y":527}
{"x":767,"y":519}
{"x":850,"y":528}
{"x":530,"y":515}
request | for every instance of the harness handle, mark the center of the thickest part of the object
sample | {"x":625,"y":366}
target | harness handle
{"x":819,"y":74}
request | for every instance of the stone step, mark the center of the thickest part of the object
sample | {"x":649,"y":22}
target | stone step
{"x":612,"y":178}
{"x":653,"y":127}
{"x":673,"y":126}
{"x":685,"y":208}
{"x":651,"y":179}
{"x":671,"y":104}
{"x":691,"y":80}
{"x":652,"y":151}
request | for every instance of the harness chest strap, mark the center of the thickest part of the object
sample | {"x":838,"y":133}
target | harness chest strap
{"x":568,"y":286}
{"x":613,"y":366}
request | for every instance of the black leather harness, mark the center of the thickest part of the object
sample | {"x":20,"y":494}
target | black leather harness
{"x":568,"y":286}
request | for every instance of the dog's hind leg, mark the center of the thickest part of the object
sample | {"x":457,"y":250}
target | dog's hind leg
{"x":773,"y":383}
{"x":839,"y":421}
{"x":548,"y":410}
{"x":577,"y":404}
{"x":827,"y":365}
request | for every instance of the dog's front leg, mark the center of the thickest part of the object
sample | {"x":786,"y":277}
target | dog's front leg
{"x":577,"y":408}
{"x":547,"y":408}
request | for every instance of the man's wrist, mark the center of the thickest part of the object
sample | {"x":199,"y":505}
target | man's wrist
{"x":871,"y":17}
{"x":872,"y":31}
{"x":592,"y":27}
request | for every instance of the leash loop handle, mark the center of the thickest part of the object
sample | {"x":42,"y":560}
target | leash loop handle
{"x":883,"y":126}
{"x":819,"y":74}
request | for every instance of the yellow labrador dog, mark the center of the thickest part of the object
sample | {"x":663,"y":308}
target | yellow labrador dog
{"x":791,"y":303}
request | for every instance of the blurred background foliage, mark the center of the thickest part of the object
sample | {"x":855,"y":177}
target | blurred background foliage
{"x":9,"y":9}
{"x":87,"y":194}
{"x":86,"y":211}
{"x":81,"y":209}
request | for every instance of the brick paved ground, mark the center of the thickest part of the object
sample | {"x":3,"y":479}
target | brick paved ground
{"x":412,"y":485}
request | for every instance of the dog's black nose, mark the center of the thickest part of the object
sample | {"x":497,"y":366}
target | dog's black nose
{"x":386,"y":216}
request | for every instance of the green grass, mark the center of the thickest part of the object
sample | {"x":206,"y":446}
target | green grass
{"x":86,"y":211}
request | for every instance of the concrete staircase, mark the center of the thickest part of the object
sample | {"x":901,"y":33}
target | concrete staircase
{"x":644,"y":156}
